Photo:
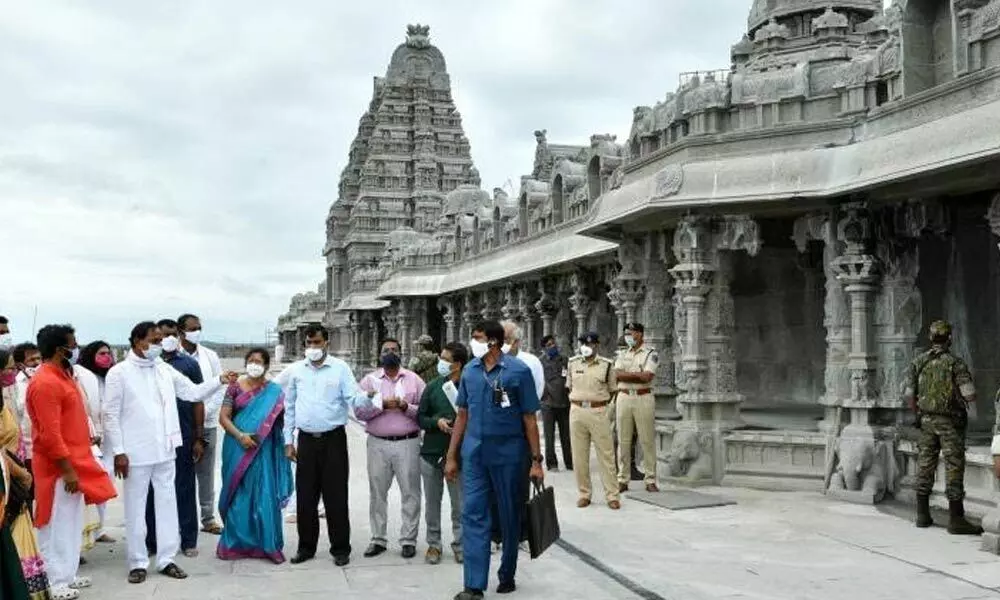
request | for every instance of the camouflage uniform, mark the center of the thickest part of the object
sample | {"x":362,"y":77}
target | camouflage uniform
{"x":424,"y":364}
{"x":939,"y":384}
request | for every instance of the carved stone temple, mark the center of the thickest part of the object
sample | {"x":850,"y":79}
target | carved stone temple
{"x":786,"y":228}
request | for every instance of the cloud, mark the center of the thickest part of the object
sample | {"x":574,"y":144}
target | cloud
{"x":163,"y":157}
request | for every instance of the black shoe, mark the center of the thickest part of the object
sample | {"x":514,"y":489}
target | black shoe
{"x":506,"y":587}
{"x":374,"y":550}
{"x":469,"y":594}
{"x":552,"y":467}
{"x":957,"y":525}
{"x":301,"y":557}
{"x":341,"y":560}
{"x":409,"y":551}
{"x":924,"y":511}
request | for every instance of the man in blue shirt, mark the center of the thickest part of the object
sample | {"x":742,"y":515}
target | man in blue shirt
{"x":319,"y":391}
{"x":191,"y":417}
{"x":495,"y":429}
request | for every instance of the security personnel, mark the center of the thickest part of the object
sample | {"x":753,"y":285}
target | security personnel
{"x":941,"y":390}
{"x":635,"y":369}
{"x":592,"y":383}
{"x":495,"y":430}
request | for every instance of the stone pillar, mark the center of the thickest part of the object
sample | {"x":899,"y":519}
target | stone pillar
{"x":546,"y":306}
{"x":470,"y":314}
{"x":373,"y":349}
{"x":821,"y":227}
{"x":404,"y":320}
{"x":657,"y":314}
{"x":579,"y":300}
{"x":490,"y":305}
{"x":527,"y":314}
{"x":357,"y":324}
{"x":709,"y":403}
{"x":508,"y":308}
{"x":452,"y":319}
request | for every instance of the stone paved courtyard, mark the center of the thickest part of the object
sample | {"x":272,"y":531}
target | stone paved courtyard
{"x":769,"y":546}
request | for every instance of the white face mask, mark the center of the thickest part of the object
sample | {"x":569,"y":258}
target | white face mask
{"x":586,"y":351}
{"x":629,"y":341}
{"x":505,"y":348}
{"x":153,"y":352}
{"x":170,"y":344}
{"x":255,"y":370}
{"x":29,"y":372}
{"x":479,"y":349}
{"x":314,"y":354}
{"x":193,"y":336}
{"x":6,"y":341}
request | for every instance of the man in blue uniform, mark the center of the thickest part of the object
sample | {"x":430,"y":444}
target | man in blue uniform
{"x":495,"y":429}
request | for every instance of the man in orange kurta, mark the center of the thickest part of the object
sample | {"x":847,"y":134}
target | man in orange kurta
{"x":67,"y":476}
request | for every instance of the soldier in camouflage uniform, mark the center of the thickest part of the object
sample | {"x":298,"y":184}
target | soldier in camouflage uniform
{"x":425,"y":362}
{"x":940,"y":389}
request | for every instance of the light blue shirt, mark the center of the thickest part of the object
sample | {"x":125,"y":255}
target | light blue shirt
{"x":317,"y":399}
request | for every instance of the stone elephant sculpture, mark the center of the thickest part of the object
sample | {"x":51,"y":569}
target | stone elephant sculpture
{"x":690,"y":455}
{"x":864,"y":465}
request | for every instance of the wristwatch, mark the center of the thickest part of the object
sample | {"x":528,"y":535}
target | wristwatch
{"x":538,"y":459}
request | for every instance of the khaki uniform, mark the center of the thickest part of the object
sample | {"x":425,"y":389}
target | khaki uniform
{"x":636,"y":411}
{"x":592,"y":384}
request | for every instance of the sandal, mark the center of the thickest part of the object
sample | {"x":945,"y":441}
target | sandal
{"x":105,"y":539}
{"x":173,"y":571}
{"x":80,"y":583}
{"x":64,"y":593}
{"x":190,"y":552}
{"x":137,"y":576}
{"x":213,"y":528}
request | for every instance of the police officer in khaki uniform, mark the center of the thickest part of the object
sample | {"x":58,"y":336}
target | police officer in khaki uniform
{"x":635,"y":369}
{"x":592,"y":383}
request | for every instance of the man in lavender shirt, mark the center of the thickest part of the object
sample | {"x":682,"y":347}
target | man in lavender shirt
{"x":393,"y":447}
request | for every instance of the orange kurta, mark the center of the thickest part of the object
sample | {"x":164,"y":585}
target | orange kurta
{"x":59,"y":430}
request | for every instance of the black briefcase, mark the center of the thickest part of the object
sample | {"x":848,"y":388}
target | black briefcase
{"x":543,"y":523}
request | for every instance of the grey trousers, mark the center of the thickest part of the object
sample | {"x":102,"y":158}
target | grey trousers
{"x":434,"y":483}
{"x":399,"y":460}
{"x":205,"y":471}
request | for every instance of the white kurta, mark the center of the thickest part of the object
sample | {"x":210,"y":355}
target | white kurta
{"x":140,"y":421}
{"x":211,"y":368}
{"x":537,"y":371}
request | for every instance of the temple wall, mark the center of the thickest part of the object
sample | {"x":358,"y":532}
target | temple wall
{"x":779,"y":336}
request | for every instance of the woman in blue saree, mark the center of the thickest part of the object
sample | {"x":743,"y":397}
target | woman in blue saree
{"x":256,"y":476}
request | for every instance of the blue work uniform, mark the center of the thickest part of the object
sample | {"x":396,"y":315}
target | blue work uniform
{"x":494,"y":451}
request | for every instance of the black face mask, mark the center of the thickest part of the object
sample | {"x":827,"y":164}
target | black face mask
{"x":390,"y":360}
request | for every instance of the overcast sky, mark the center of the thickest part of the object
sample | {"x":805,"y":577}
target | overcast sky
{"x":162,"y":157}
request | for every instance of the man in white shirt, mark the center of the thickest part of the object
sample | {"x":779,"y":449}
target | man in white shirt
{"x":27,"y":359}
{"x":143,"y":433}
{"x":211,"y":368}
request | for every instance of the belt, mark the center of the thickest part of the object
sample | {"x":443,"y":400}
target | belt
{"x":321,"y":434}
{"x":397,"y":438}
{"x":640,"y":392}
{"x":589,"y":404}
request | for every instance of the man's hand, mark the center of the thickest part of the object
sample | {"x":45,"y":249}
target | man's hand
{"x":198,"y":450}
{"x":537,"y":474}
{"x":444,"y":425}
{"x":121,"y":466}
{"x":95,"y":441}
{"x":71,"y":481}
{"x":229,"y":377}
{"x":389,"y":403}
{"x":451,"y":469}
{"x":402,"y":404}
{"x":290,"y":453}
{"x":24,"y":476}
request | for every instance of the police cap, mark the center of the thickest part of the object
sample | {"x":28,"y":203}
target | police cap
{"x":633,"y":326}
{"x":590,"y":337}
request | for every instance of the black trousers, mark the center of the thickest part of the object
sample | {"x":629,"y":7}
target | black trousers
{"x":550,"y":418}
{"x":323,"y":469}
{"x":187,"y":501}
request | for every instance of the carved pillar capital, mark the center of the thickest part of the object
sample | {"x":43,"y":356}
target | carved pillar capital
{"x":490,"y":305}
{"x":509,"y":308}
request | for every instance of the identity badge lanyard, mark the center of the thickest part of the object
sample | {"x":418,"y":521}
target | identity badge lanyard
{"x":499,"y":394}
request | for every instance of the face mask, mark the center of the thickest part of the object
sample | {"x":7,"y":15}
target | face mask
{"x":629,"y":341}
{"x":6,"y":341}
{"x":74,"y":355}
{"x":255,"y":370}
{"x":171,"y":344}
{"x":444,"y":368}
{"x":29,"y":372}
{"x":505,"y":349}
{"x":8,"y":379}
{"x":586,"y":351}
{"x":153,"y":352}
{"x":552,"y":352}
{"x":479,"y":349}
{"x":314,"y":354}
{"x":193,"y":336}
{"x":104,"y":361}
{"x":390,"y":360}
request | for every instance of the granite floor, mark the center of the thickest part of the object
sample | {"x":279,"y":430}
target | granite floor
{"x":769,"y":546}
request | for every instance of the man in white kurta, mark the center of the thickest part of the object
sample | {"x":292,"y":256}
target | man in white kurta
{"x":143,"y":432}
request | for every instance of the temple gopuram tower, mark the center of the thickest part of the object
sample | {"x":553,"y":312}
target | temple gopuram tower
{"x":410,"y":150}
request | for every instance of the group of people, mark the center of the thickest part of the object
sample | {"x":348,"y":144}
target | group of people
{"x":73,"y":417}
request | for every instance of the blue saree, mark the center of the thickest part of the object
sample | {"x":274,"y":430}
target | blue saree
{"x":256,"y":483}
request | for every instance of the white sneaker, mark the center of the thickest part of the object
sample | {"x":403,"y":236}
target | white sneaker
{"x":81,"y":582}
{"x":64,"y":593}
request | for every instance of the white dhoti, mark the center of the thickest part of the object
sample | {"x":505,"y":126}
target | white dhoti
{"x":168,"y":537}
{"x":59,"y":540}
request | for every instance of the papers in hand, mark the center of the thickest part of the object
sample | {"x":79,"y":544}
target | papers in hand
{"x":451,"y":392}
{"x":377,"y":401}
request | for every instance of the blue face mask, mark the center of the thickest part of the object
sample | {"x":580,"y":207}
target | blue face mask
{"x":444,"y":368}
{"x":552,"y":352}
{"x":390,"y":360}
